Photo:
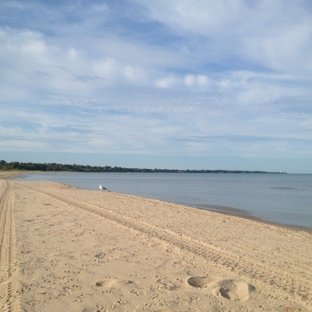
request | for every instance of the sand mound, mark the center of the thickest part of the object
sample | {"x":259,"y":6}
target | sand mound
{"x":231,"y":289}
{"x":234,"y":290}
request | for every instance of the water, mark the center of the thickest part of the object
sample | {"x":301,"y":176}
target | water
{"x":280,"y":198}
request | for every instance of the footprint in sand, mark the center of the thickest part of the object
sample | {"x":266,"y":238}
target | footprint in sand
{"x":113,"y":282}
{"x":106,"y":283}
{"x":202,"y":282}
{"x":100,"y":255}
{"x":231,"y":289}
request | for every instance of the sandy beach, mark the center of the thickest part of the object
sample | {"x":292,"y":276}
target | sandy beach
{"x":68,"y":249}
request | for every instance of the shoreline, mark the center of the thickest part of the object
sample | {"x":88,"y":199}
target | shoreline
{"x":231,"y":211}
{"x":81,"y":250}
{"x":295,"y":228}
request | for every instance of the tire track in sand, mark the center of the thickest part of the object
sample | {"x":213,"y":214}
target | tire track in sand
{"x":9,"y":287}
{"x":297,"y":288}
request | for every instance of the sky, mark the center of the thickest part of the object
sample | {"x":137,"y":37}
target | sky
{"x":179,"y":84}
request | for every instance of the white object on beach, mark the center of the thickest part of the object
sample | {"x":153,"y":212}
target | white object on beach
{"x":101,"y":187}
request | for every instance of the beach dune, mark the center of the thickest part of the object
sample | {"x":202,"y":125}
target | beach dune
{"x":68,"y":249}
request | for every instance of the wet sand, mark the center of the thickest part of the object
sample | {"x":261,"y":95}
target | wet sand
{"x":67,"y":249}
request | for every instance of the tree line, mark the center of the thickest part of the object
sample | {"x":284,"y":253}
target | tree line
{"x":50,"y":167}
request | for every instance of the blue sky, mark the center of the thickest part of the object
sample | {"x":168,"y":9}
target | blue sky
{"x":197,"y":84}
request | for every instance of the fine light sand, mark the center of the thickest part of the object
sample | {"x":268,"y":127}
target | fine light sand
{"x":67,"y":249}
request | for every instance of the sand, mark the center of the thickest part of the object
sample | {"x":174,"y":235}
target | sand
{"x":67,"y":249}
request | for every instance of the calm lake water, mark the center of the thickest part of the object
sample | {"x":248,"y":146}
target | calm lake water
{"x":281,"y":198}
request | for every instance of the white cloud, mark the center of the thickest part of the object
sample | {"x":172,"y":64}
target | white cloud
{"x":203,"y":80}
{"x":197,"y":82}
{"x":106,"y":68}
{"x":189,"y":80}
{"x":199,"y":17}
{"x":287,"y":51}
{"x":276,"y":34}
{"x":166,"y":82}
{"x":181,"y":76}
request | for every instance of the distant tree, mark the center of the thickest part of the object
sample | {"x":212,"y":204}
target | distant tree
{"x":81,"y":168}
